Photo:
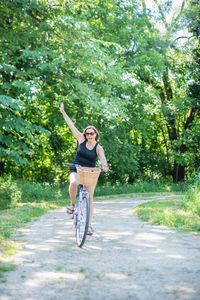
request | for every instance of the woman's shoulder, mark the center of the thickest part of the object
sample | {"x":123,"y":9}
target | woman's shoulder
{"x":81,"y":139}
{"x":98,"y":145}
{"x":99,"y":148}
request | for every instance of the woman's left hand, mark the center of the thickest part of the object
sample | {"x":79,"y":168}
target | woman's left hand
{"x":105,"y":169}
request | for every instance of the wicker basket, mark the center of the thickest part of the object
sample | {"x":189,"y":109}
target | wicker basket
{"x":88,"y":176}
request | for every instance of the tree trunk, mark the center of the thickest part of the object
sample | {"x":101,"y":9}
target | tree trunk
{"x":178,"y":172}
{"x":2,"y":167}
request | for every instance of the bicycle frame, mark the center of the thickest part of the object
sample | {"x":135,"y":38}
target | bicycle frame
{"x":83,"y":193}
{"x":81,"y":213}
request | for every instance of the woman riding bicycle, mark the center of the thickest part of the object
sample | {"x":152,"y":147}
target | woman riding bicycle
{"x":86,"y":155}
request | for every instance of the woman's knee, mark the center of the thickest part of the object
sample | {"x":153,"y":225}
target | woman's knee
{"x":91,"y":192}
{"x":73,"y":181}
{"x":73,"y":185}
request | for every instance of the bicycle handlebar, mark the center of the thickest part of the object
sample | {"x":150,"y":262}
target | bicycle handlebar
{"x":70,"y":164}
{"x":75,"y":165}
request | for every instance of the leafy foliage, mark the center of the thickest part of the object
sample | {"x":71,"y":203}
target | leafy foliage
{"x":192,"y":200}
{"x":17,"y":136}
{"x":9,"y":193}
{"x":113,"y":68}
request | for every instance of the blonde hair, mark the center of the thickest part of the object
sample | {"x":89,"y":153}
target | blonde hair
{"x":97,"y":138}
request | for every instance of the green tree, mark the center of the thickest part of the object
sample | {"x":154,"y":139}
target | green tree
{"x":192,"y":134}
{"x":159,"y":65}
{"x":112,"y":67}
{"x":18,"y":90}
{"x":49,"y":55}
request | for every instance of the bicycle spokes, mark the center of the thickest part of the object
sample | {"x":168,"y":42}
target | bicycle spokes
{"x":83,"y":213}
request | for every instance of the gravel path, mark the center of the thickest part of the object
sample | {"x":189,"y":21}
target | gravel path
{"x":125,"y":259}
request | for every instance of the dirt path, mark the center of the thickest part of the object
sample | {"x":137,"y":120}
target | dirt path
{"x":125,"y":259}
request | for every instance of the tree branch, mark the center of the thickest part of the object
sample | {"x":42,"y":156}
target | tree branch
{"x":162,"y":14}
{"x":182,"y":37}
{"x":190,"y":117}
{"x":175,"y":19}
{"x":145,"y":13}
{"x":155,"y":85}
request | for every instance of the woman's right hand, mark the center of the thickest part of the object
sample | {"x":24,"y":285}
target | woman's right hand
{"x":62,"y":108}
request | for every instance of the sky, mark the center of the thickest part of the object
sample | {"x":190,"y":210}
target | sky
{"x":176,"y":5}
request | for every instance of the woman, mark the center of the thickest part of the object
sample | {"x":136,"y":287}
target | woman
{"x":86,"y":156}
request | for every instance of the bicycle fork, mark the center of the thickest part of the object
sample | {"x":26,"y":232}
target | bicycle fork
{"x":80,"y":204}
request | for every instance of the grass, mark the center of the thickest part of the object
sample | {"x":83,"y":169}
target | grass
{"x":140,"y":187}
{"x":82,"y":270}
{"x":169,"y":213}
{"x":100,"y":275}
{"x":14,"y":218}
{"x":5,"y":268}
{"x":59,"y":268}
{"x":38,"y":192}
{"x":138,"y":196}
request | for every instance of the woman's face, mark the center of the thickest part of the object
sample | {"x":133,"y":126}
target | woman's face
{"x":90,"y":134}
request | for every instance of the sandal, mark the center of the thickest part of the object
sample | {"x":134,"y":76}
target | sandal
{"x":69,"y":210}
{"x":90,"y":230}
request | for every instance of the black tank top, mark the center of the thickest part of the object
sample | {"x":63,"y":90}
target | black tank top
{"x":85,"y":157}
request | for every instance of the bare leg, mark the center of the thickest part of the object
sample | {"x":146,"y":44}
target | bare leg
{"x":73,"y":187}
{"x":90,"y":190}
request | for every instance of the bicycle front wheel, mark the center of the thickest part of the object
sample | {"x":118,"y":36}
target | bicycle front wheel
{"x":82,"y":221}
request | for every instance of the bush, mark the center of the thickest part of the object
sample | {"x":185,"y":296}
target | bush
{"x":140,"y":186}
{"x":37,"y":192}
{"x":192,"y":200}
{"x":9,"y":193}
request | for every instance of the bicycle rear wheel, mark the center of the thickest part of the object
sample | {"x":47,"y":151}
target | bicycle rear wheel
{"x":82,"y":221}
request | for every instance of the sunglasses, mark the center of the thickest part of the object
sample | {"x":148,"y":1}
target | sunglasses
{"x":90,"y":133}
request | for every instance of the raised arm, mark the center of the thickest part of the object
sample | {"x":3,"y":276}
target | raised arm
{"x":102,"y":157}
{"x":78,"y":135}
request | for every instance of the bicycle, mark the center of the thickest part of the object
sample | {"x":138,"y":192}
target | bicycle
{"x":86,"y":177}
